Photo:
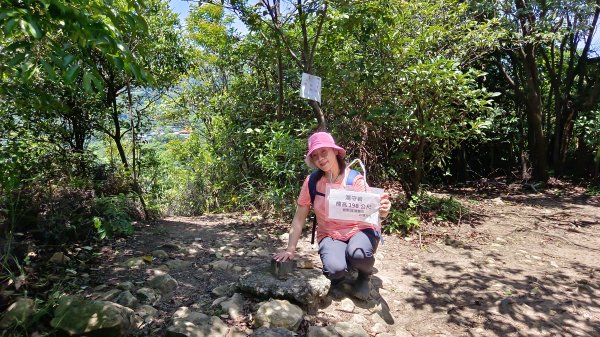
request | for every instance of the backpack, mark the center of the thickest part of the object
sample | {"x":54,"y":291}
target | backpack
{"x":312,"y":190}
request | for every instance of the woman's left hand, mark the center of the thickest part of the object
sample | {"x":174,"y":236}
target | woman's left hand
{"x":384,"y":205}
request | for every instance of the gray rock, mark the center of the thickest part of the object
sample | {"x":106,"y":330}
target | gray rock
{"x":185,"y":314}
{"x":170,"y":245}
{"x":127,"y":285}
{"x":305,"y":286}
{"x":77,"y":316}
{"x":279,"y":314}
{"x":347,"y":305}
{"x":100,"y":287}
{"x":178,"y":264}
{"x":261,"y":251}
{"x":305,"y":264}
{"x":224,"y":290}
{"x":134,"y":262}
{"x":401,"y":332}
{"x":145,"y":311}
{"x":181,"y":328}
{"x":256,"y":243}
{"x":234,"y":306}
{"x":219,"y":301}
{"x":346,"y":329}
{"x":221,"y":265}
{"x":272,"y":332}
{"x":378,"y":328}
{"x":127,"y":299}
{"x":162,"y":269}
{"x":163,"y":282}
{"x":227,"y":250}
{"x":110,"y":295}
{"x":147,"y":296}
{"x":160,"y":254}
{"x":321,"y":331}
{"x":18,"y":312}
{"x":59,"y":258}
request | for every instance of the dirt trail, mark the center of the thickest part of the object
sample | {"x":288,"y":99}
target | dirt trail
{"x":520,"y":265}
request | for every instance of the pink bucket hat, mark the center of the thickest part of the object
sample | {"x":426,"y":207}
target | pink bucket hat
{"x":319,"y":140}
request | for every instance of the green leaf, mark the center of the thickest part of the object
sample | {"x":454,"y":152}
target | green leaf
{"x":49,"y":70}
{"x":91,"y":82}
{"x":67,"y":59}
{"x":97,"y":81}
{"x":87,"y":82}
{"x":133,"y":69}
{"x":32,"y":28}
{"x":30,"y":69}
{"x":16,"y":60}
{"x":118,"y":62}
{"x":72,"y":73}
{"x":10,"y":25}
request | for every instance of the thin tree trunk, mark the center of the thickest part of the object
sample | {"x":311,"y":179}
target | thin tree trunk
{"x":117,"y":136}
{"x":537,"y":141}
{"x":279,"y":113}
{"x":136,"y":186}
{"x":419,"y":156}
{"x":316,"y":107}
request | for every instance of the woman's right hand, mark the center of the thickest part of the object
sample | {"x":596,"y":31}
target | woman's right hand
{"x":283,"y":256}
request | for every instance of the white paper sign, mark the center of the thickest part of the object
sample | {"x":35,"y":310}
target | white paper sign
{"x":310,"y":87}
{"x":355,"y":206}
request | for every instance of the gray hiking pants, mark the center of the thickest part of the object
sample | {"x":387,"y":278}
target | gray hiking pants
{"x":339,"y":257}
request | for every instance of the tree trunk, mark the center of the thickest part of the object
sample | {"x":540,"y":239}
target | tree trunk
{"x":532,"y":87}
{"x":318,"y":115}
{"x":136,"y":186}
{"x":537,"y":141}
{"x":117,"y":135}
{"x":418,"y":156}
{"x":279,"y":114}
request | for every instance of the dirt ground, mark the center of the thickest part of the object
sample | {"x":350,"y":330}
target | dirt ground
{"x":522,"y":263}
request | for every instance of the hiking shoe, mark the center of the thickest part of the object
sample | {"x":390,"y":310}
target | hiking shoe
{"x":361,"y":288}
{"x":337,"y":283}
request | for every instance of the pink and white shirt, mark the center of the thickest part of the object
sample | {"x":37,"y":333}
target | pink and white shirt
{"x":336,"y":229}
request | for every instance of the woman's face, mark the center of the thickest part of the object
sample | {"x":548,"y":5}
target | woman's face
{"x":324,"y":158}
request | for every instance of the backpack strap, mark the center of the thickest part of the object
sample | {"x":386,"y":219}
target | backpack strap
{"x":351,"y":175}
{"x":312,"y":190}
{"x":312,"y":185}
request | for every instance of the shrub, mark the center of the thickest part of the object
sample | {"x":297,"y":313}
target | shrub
{"x":402,"y":221}
{"x":438,"y":209}
{"x":424,"y":207}
{"x":111,"y":216}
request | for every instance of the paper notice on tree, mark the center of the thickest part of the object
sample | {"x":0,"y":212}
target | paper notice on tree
{"x":310,"y":87}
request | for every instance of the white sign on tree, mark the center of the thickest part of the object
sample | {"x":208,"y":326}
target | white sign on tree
{"x":310,"y":87}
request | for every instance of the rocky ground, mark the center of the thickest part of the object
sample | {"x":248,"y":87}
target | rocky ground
{"x":521,"y":263}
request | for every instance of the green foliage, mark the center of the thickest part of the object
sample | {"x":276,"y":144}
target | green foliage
{"x":111,"y":216}
{"x":402,"y":221}
{"x":402,"y":70}
{"x":424,"y":207}
{"x":62,"y":27}
{"x":593,"y":191}
{"x":433,"y":208}
{"x":276,"y":150}
{"x":587,"y":127}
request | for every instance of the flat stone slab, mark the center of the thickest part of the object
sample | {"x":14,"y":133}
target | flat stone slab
{"x":303,"y":286}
